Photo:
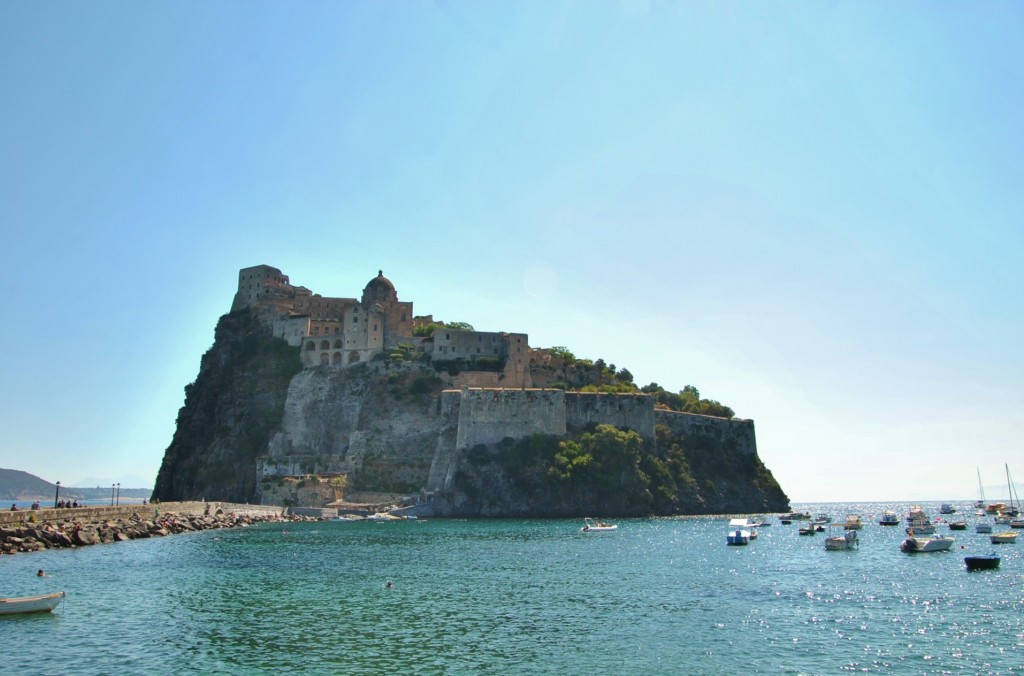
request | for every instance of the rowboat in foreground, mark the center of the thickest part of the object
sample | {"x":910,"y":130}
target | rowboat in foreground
{"x":30,"y":604}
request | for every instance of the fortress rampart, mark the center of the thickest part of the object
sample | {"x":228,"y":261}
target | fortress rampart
{"x":488,"y":416}
{"x":735,"y":434}
{"x":632,"y":411}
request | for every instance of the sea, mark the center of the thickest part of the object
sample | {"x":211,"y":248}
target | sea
{"x":521,"y":596}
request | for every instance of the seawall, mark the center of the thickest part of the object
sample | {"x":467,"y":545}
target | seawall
{"x":96,"y":513}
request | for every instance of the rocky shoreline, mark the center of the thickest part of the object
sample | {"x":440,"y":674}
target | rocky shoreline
{"x":66,"y":533}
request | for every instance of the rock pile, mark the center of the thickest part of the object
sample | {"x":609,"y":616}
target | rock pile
{"x":30,"y":537}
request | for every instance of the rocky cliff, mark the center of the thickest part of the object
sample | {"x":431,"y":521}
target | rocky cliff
{"x":230,"y":413}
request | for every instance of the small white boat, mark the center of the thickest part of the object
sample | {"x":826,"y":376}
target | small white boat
{"x":30,"y":604}
{"x":852,"y":522}
{"x":921,"y":527}
{"x":739,"y":533}
{"x":983,"y":527}
{"x":596,"y":526}
{"x":841,"y":537}
{"x":1007,"y":537}
{"x":383,"y":516}
{"x":936,"y":543}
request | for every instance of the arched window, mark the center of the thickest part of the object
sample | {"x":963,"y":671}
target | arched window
{"x":337,"y":344}
{"x":325,"y":344}
{"x":310,"y":346}
{"x":336,"y":358}
{"x":324,"y":359}
{"x":353,"y":357}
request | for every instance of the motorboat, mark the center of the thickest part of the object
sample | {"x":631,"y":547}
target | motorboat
{"x":794,"y":516}
{"x":383,"y":516}
{"x":739,"y":533}
{"x":982,"y":562}
{"x":822,"y":519}
{"x":889,"y":518}
{"x":1007,"y":537}
{"x":841,"y":537}
{"x":916,"y":514}
{"x":936,"y":543}
{"x":921,"y":527}
{"x":1017,"y":523}
{"x":959,"y":524}
{"x":852,"y":522}
{"x":983,"y":527}
{"x":44,"y":603}
{"x":596,"y":526}
{"x":809,"y":529}
{"x":946,"y":508}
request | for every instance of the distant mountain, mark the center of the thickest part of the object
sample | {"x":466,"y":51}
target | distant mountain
{"x":18,"y":485}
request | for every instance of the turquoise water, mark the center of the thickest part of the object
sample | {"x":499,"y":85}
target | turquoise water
{"x":658,"y":596}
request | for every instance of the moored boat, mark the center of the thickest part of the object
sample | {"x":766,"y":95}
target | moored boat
{"x":983,"y":527}
{"x":921,"y":527}
{"x":1007,"y":537}
{"x":44,"y":603}
{"x":841,"y":537}
{"x":982,"y":562}
{"x":959,"y":524}
{"x":916,"y":514}
{"x":852,"y":522}
{"x":936,"y":543}
{"x":597,"y":526}
{"x":739,"y":533}
{"x":889,"y":518}
{"x":946,"y":508}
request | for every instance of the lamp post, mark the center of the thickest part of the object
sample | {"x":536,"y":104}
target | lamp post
{"x":118,"y":500}
{"x":111,"y":495}
{"x":56,"y":495}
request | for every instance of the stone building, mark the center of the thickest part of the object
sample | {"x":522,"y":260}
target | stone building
{"x":347,"y":331}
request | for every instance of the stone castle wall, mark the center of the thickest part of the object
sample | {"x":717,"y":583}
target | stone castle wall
{"x":632,"y":411}
{"x":488,"y":416}
{"x":736,"y":434}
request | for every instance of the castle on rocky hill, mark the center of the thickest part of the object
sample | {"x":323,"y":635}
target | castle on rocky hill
{"x":343,"y":332}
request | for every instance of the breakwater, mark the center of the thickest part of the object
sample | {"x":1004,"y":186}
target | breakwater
{"x":36,"y":530}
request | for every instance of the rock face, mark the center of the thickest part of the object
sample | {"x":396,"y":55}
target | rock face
{"x":254,"y":416}
{"x":230,"y":412}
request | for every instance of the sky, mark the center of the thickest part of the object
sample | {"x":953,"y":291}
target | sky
{"x":812,"y":212}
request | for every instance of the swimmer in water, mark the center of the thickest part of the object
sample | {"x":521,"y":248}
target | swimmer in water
{"x":389,"y":584}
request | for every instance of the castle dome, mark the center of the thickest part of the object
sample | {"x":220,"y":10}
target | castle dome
{"x":379,"y":288}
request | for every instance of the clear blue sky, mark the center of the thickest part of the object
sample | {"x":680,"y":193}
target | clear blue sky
{"x":812,"y":212}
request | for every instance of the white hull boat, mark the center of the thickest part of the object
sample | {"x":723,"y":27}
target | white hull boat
{"x":30,"y":604}
{"x":1007,"y":537}
{"x":843,"y":539}
{"x":936,"y":543}
{"x":595,"y":526}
